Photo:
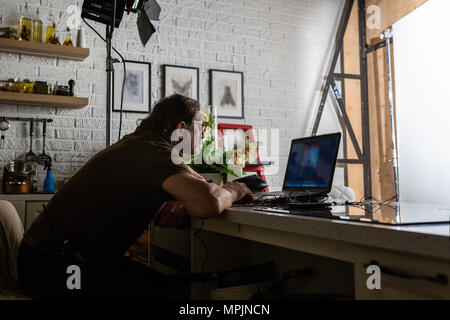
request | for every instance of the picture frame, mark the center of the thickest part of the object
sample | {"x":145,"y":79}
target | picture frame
{"x":227,"y":93}
{"x":182,"y":80}
{"x":137,"y":96}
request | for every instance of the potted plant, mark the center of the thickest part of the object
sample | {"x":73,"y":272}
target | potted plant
{"x":213,"y":163}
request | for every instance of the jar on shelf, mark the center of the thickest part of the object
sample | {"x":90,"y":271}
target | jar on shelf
{"x":40,"y":87}
{"x":26,"y":86}
{"x":9,"y":85}
{"x":62,"y":91}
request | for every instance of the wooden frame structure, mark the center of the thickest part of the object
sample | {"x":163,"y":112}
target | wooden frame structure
{"x":363,"y":154}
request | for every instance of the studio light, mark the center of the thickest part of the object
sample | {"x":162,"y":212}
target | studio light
{"x":110,"y":13}
{"x":102,"y":11}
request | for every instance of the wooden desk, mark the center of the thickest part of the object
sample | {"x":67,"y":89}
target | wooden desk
{"x":419,"y":251}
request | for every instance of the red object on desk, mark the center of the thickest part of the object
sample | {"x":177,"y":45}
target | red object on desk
{"x":248,"y":130}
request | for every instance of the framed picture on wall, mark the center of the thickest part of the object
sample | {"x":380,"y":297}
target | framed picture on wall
{"x":181,"y":80}
{"x":137,"y":95}
{"x":227,"y":93}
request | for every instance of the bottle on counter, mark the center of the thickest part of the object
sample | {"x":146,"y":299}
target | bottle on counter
{"x":37,"y":28}
{"x":34,"y":183}
{"x":49,"y":181}
{"x":25,"y":26}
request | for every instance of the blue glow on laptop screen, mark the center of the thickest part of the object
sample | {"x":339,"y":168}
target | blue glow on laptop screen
{"x":310,"y":164}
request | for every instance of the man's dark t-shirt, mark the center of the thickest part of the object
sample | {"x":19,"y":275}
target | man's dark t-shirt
{"x":109,"y":202}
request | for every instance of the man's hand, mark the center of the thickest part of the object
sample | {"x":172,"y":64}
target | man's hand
{"x":240,"y":191}
{"x":171,"y":215}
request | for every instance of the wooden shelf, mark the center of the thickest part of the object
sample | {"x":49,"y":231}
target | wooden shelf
{"x":43,"y":49}
{"x":42,"y":100}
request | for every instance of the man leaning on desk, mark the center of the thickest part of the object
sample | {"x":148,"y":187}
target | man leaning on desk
{"x":97,"y":215}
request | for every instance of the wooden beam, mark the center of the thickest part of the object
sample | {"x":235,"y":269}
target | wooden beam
{"x":391,"y":12}
{"x":353,"y":100}
{"x":380,"y":128}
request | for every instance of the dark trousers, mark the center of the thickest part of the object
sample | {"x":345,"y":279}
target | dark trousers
{"x":46,"y":277}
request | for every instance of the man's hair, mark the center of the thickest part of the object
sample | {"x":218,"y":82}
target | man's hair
{"x":168,"y":112}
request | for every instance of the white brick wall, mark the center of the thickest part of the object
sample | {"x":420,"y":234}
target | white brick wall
{"x":280,"y":45}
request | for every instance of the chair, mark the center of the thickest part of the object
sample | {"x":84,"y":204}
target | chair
{"x":11,"y":234}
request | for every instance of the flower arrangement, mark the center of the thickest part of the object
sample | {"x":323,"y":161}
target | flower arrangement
{"x":211,"y":158}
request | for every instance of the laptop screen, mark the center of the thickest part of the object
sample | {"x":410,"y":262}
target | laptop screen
{"x":312,"y":162}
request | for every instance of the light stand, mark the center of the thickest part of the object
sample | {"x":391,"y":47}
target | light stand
{"x":104,"y":11}
{"x":387,"y":35}
{"x":109,"y":78}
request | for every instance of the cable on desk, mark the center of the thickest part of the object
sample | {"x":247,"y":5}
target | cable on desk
{"x":292,"y":196}
{"x":273,"y":201}
{"x":372,"y":202}
{"x":293,"y":199}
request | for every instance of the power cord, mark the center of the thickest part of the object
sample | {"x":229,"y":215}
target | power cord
{"x":206,"y":254}
{"x":302,"y":194}
{"x":372,"y":202}
{"x":124,"y":73}
{"x":269,"y":200}
{"x":290,"y":197}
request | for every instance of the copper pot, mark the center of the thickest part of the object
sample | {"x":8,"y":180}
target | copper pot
{"x":17,"y":177}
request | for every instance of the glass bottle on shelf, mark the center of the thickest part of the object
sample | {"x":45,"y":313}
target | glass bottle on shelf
{"x":55,"y":38}
{"x":68,"y":40}
{"x":25,"y":26}
{"x":50,"y":30}
{"x":11,"y":19}
{"x":37,"y":28}
{"x":14,"y":31}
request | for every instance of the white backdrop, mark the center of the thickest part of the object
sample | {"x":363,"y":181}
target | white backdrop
{"x":422,"y":75}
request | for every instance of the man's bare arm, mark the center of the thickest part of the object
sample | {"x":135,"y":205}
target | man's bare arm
{"x":194,"y":173}
{"x":202,"y":199}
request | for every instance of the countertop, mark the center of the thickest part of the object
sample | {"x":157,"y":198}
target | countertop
{"x":431,"y":240}
{"x":27,"y":197}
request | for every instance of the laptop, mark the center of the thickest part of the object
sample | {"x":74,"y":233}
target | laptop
{"x":310,"y":168}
